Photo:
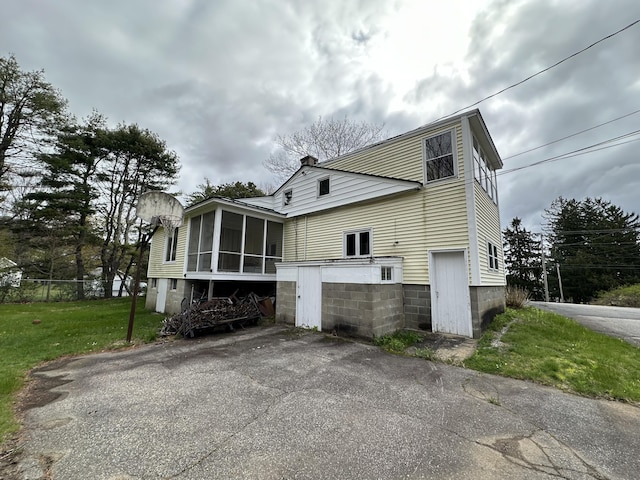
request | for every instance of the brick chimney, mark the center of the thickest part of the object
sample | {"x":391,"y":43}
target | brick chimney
{"x":309,"y":161}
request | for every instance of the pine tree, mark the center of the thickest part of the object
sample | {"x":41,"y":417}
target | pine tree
{"x":522,"y":259}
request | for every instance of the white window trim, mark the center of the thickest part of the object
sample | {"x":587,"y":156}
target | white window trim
{"x":357,"y":232}
{"x":328,"y":178}
{"x":454,"y":152}
{"x":389,"y":269}
{"x":493,"y":253}
{"x":170,"y":248}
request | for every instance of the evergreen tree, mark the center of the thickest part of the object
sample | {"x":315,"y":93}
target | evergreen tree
{"x":596,"y":244}
{"x":226,"y":190}
{"x":523,"y":259}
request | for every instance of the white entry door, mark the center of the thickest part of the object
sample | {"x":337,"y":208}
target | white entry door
{"x":450,"y":301}
{"x":161,"y":298}
{"x":309,"y":298}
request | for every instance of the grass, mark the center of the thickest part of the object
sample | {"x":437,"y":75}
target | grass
{"x":68,"y":328}
{"x":398,"y":341}
{"x":554,"y":350}
{"x":628,"y":296}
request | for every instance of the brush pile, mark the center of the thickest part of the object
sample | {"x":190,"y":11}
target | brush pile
{"x":228,"y":311}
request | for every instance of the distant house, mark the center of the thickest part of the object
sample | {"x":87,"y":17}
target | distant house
{"x":96,"y":288}
{"x":401,"y":234}
{"x":10,"y":274}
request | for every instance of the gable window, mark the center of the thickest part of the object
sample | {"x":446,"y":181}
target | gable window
{"x":492,"y":255}
{"x":172,"y":245}
{"x":439,"y":158}
{"x":357,"y":244}
{"x":324,"y":188}
{"x":287,"y":197}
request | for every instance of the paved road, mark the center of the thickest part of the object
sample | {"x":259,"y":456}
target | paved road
{"x":621,"y":322}
{"x":277,"y":404}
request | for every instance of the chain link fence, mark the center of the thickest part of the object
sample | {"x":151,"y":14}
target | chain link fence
{"x":44,"y":290}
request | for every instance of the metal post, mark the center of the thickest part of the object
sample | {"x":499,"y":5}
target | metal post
{"x":136,"y":285}
{"x":544,"y":269}
{"x":560,"y":283}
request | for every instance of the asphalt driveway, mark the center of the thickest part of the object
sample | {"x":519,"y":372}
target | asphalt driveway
{"x":275,"y":403}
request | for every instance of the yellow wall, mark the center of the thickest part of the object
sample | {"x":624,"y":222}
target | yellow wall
{"x":157,"y":266}
{"x":488,"y":230}
{"x":432,"y":218}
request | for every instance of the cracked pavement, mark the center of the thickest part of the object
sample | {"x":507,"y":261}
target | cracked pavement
{"x":277,"y":403}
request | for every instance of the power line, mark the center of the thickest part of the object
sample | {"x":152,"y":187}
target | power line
{"x":542,"y":71}
{"x":572,"y":135}
{"x":574,"y":153}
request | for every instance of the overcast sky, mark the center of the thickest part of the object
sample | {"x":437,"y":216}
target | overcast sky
{"x":218,"y":79}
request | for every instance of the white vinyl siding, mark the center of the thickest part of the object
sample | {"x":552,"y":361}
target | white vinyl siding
{"x":345,"y":188}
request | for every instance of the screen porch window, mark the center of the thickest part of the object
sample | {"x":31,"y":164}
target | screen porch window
{"x":200,"y":243}
{"x":230,"y":242}
{"x":357,"y":244}
{"x":247,"y":244}
{"x":439,"y":158}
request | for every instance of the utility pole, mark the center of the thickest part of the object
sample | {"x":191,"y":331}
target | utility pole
{"x":544,"y":269}
{"x":560,"y":283}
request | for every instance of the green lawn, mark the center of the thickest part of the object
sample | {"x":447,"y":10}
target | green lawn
{"x":554,"y":350}
{"x":66,"y":328}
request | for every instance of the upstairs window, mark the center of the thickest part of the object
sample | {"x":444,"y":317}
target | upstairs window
{"x":483,"y":173}
{"x":172,"y":245}
{"x":324,"y":188}
{"x":492,"y":255}
{"x":439,"y":158}
{"x":357,"y":244}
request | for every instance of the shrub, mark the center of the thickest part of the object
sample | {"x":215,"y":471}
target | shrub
{"x":516,"y":297}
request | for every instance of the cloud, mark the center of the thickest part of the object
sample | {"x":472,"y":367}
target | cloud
{"x":217,"y":80}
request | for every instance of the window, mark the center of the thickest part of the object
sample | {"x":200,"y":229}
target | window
{"x":171,"y":246}
{"x":492,"y":255}
{"x":273,"y":246}
{"x":386,"y":274}
{"x":200,"y":243}
{"x":287,"y":197}
{"x":154,"y":283}
{"x":357,"y":244}
{"x":324,"y":188}
{"x":230,"y":242}
{"x":253,"y":245}
{"x":174,"y":284}
{"x":483,"y":173}
{"x":439,"y":158}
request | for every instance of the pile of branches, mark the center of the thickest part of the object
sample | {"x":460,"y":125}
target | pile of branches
{"x":228,"y":311}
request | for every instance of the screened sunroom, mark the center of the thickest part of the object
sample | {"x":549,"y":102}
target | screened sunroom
{"x":228,"y":240}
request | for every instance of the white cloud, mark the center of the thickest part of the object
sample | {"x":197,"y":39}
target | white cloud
{"x":217,"y":80}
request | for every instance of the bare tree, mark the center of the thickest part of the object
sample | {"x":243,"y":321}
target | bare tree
{"x":326,"y":138}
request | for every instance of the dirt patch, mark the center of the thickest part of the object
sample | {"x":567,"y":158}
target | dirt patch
{"x":35,"y":393}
